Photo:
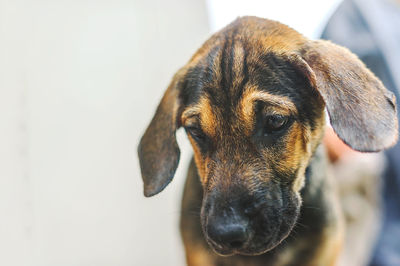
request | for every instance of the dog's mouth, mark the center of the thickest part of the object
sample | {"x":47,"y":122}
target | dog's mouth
{"x":249,"y":248}
{"x":257,"y":243}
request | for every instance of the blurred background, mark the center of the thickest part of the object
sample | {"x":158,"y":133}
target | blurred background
{"x":79,"y":83}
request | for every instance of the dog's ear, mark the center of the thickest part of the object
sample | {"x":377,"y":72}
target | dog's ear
{"x":361,"y":110}
{"x":158,"y":149}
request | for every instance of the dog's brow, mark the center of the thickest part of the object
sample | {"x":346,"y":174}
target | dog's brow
{"x":281,"y":102}
{"x":190,"y":116}
{"x":203,"y":113}
{"x":251,"y":95}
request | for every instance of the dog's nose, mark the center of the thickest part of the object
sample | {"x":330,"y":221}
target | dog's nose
{"x":228,"y":234}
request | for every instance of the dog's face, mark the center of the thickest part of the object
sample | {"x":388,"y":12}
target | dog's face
{"x":253,"y":122}
{"x":252,"y":103}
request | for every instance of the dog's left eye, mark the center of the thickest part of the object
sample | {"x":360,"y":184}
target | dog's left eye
{"x":196,"y":133}
{"x":275,"y":123}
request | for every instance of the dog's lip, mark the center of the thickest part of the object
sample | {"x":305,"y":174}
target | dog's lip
{"x":228,"y":251}
{"x":219,"y":249}
{"x":223,"y":251}
{"x":239,"y":251}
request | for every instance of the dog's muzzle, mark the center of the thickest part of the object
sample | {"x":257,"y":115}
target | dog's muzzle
{"x":235,"y":222}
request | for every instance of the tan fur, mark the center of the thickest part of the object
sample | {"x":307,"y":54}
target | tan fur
{"x":238,"y":65}
{"x":197,"y":255}
{"x":204,"y":111}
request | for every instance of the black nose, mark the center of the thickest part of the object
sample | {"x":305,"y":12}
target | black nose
{"x":228,"y":234}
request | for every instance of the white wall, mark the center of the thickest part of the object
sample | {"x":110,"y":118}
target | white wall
{"x":79,"y":81}
{"x":306,"y":16}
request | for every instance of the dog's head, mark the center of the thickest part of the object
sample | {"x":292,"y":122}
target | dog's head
{"x":252,"y":102}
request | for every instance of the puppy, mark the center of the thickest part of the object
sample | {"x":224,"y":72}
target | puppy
{"x":252,"y":102}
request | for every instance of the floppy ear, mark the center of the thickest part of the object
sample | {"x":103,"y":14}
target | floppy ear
{"x":361,"y":110}
{"x":158,"y":149}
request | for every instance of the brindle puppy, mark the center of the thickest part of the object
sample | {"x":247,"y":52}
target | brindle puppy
{"x":252,"y":102}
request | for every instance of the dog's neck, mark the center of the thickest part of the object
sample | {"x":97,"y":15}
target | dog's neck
{"x":319,"y":193}
{"x":316,"y":173}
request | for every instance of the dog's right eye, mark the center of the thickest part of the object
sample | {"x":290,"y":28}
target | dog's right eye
{"x":274,"y":123}
{"x":270,"y":126}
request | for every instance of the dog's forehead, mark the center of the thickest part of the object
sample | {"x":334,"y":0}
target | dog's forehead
{"x":256,"y":32}
{"x":250,"y":51}
{"x":235,"y":67}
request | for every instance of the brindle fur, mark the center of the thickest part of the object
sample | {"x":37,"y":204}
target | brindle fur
{"x":253,"y":68}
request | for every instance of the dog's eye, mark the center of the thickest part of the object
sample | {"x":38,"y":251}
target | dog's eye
{"x":275,"y":123}
{"x":196,"y":133}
